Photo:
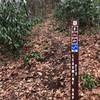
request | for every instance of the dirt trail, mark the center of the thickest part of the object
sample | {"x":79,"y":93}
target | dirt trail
{"x":49,"y":79}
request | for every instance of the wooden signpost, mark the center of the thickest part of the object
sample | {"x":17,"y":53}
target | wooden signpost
{"x":74,"y":60}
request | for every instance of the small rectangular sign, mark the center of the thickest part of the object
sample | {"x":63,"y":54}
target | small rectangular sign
{"x":74,"y":47}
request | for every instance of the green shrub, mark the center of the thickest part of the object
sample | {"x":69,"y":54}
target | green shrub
{"x":82,"y":10}
{"x":14,"y":24}
{"x":87,"y":81}
{"x":34,"y":54}
{"x":36,"y":20}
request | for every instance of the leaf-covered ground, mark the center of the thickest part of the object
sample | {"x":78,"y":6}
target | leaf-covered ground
{"x":49,"y":79}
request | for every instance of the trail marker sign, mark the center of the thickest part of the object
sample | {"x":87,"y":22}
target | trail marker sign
{"x":74,"y":60}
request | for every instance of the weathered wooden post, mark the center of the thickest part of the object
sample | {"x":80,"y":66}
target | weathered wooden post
{"x":74,"y":60}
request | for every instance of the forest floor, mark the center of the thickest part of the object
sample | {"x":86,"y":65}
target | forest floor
{"x":49,"y":79}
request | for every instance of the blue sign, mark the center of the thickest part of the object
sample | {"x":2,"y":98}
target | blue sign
{"x":74,"y":47}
